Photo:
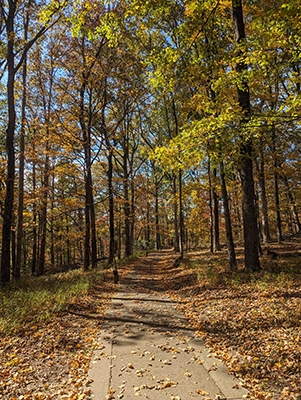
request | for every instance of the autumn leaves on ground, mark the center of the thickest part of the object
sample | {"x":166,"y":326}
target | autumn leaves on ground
{"x":251,"y":322}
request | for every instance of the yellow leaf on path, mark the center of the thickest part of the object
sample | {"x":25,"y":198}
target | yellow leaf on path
{"x":202,"y":392}
{"x":169,"y":384}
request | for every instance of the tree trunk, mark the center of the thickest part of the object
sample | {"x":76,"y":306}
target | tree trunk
{"x":295,"y":216}
{"x":47,"y":105}
{"x":119,"y":238}
{"x":132,"y":217}
{"x":158,"y":236}
{"x":10,"y":132}
{"x":52,"y":238}
{"x":13,"y":249}
{"x":216,"y":242}
{"x":210,"y":204}
{"x":276,"y":187}
{"x":21,"y":161}
{"x":264,"y":203}
{"x":147,"y":228}
{"x":251,"y":234}
{"x":34,"y":223}
{"x":111,"y":207}
{"x":93,"y":227}
{"x":181,"y":216}
{"x":229,"y":235}
{"x":175,"y":214}
{"x":126,"y":206}
{"x":43,"y":215}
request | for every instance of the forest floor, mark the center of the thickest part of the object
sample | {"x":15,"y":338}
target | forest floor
{"x":48,"y":356}
{"x":250,"y":321}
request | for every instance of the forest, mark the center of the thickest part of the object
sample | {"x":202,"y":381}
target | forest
{"x":132,"y":125}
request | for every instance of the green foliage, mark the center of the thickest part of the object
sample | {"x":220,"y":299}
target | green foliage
{"x":96,"y":20}
{"x":212,"y":270}
{"x":47,"y":12}
{"x":31,"y":300}
{"x":133,"y":257}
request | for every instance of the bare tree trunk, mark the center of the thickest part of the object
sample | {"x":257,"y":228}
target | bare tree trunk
{"x":276,"y":188}
{"x":126,"y":206}
{"x":10,"y":132}
{"x":93,"y":227}
{"x":229,"y":235}
{"x":43,"y":215}
{"x":47,"y":104}
{"x":216,"y":242}
{"x":132,"y":218}
{"x":34,"y":223}
{"x":111,"y":207}
{"x":263,"y":200}
{"x":147,"y":228}
{"x":277,"y":204}
{"x":13,"y":248}
{"x":22,"y":160}
{"x":295,"y":216}
{"x":181,"y":216}
{"x":210,"y":203}
{"x":158,"y":235}
{"x":175,"y":214}
{"x":52,"y":238}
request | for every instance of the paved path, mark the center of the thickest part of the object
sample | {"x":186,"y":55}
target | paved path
{"x":148,"y":350}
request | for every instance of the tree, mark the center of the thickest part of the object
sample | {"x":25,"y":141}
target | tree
{"x":9,"y":13}
{"x":251,"y":237}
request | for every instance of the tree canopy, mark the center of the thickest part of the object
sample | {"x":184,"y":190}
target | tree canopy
{"x":136,"y":125}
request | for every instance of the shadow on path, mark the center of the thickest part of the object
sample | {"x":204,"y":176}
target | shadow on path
{"x":147,"y":349}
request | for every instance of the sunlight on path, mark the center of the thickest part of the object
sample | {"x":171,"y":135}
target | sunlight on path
{"x":147,"y":349}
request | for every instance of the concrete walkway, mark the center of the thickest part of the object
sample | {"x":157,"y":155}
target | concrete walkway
{"x":148,"y":350}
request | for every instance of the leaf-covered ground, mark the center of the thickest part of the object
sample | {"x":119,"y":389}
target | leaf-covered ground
{"x":251,"y":322}
{"x":50,"y":359}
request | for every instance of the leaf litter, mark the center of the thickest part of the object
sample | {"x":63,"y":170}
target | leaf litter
{"x":50,"y":360}
{"x":254,"y":330}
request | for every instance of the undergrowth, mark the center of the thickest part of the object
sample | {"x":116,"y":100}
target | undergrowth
{"x":35,"y":299}
{"x":212,"y":272}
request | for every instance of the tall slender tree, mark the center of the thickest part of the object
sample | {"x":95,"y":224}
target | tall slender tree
{"x":251,"y":235}
{"x":15,"y":57}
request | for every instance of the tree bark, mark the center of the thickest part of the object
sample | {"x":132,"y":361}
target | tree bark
{"x":34,"y":223}
{"x":216,"y":241}
{"x":111,"y":207}
{"x":181,"y":216}
{"x":43,"y":215}
{"x":158,"y":235}
{"x":210,"y":203}
{"x":132,"y":217}
{"x":251,"y":234}
{"x":22,"y":160}
{"x":47,"y":104}
{"x":276,"y":187}
{"x":175,"y":213}
{"x":263,"y":200}
{"x":90,"y":250}
{"x":10,"y":132}
{"x":294,"y":212}
{"x":126,"y":206}
{"x":229,"y":235}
